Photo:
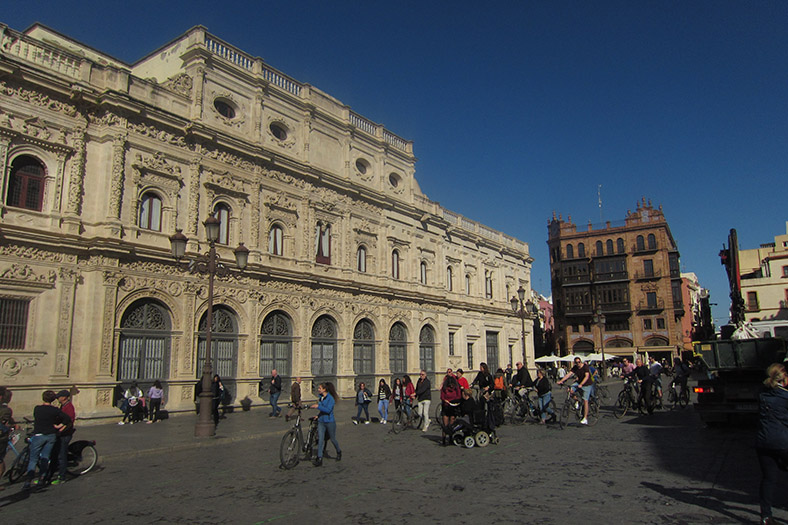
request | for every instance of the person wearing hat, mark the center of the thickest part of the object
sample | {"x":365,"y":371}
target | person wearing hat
{"x":65,"y":435}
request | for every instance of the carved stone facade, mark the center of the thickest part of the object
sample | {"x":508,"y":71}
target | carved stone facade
{"x":101,"y":162}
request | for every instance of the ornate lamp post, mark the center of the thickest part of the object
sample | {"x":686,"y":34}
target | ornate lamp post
{"x":207,"y":264}
{"x":524,"y":310}
{"x":599,"y":320}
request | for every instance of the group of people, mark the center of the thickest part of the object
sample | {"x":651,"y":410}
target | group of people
{"x":53,"y":428}
{"x":402,"y":392}
{"x":137,"y":407}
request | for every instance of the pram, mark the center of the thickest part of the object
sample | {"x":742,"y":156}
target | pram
{"x":477,"y":429}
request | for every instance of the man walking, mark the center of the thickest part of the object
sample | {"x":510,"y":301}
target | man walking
{"x":65,"y":435}
{"x":424,"y":396}
{"x":7,"y":425}
{"x":275,"y":390}
{"x":295,"y":398}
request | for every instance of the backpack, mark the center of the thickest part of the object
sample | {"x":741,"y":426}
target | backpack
{"x":499,"y":383}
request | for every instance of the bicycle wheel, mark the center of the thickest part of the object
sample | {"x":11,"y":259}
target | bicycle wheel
{"x":622,"y":405}
{"x":439,"y":414}
{"x":512,"y":411}
{"x":313,"y":441}
{"x":672,"y":398}
{"x":566,"y":410}
{"x":603,"y":392}
{"x":529,"y":408}
{"x":684,"y":398}
{"x":400,"y":420}
{"x":593,"y":412}
{"x":551,"y":409}
{"x":290,"y":449}
{"x":81,"y":459}
{"x":19,"y":466}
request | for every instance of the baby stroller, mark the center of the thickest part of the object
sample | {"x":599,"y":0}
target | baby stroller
{"x":478,"y":429}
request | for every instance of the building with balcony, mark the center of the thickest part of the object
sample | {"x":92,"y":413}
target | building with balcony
{"x":764,"y":280}
{"x":697,"y":324}
{"x":353,"y":272}
{"x":616,"y":283}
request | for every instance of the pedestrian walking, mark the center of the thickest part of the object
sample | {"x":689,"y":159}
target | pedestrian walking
{"x":275,"y":390}
{"x":451,"y":396}
{"x":217,"y":393}
{"x":424,"y":396}
{"x":295,"y":398}
{"x":326,"y":424}
{"x":48,"y":420}
{"x":410,"y":393}
{"x":155,"y":398}
{"x":384,"y":393}
{"x":363,"y":399}
{"x":64,"y":436}
{"x":7,"y":425}
{"x":771,"y":443}
{"x":397,"y":392}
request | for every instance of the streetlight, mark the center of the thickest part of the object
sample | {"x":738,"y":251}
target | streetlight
{"x":522,"y":310}
{"x":599,"y":320}
{"x":209,"y":264}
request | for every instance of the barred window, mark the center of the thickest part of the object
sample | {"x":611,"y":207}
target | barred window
{"x":13,"y":322}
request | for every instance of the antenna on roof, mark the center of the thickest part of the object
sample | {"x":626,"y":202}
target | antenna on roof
{"x":599,"y":196}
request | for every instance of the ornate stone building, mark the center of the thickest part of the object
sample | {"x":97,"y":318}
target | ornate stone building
{"x":627,"y":272}
{"x":353,"y":272}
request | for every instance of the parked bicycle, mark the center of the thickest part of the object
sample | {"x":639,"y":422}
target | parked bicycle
{"x":574,"y":405}
{"x":82,"y":456}
{"x":403,"y":420}
{"x":678,"y":397}
{"x":294,"y":446}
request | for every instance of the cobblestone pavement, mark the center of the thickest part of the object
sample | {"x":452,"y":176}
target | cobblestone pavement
{"x":666,"y":468}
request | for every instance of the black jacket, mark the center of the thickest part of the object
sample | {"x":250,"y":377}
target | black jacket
{"x":773,"y":422}
{"x":522,"y":378}
{"x":423,"y":392}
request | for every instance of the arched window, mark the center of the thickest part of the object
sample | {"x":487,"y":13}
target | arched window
{"x":656,"y":341}
{"x":599,"y":249}
{"x":488,"y":284}
{"x":395,"y":264}
{"x":361,"y":259}
{"x":570,"y":251}
{"x":620,"y":248}
{"x":640,"y":243}
{"x":583,"y":346}
{"x":609,"y":247}
{"x":427,"y":349}
{"x":324,"y":350}
{"x":398,"y":362}
{"x":144,"y":349}
{"x":467,"y":284}
{"x":364,"y":348}
{"x":581,"y":249}
{"x":652,"y":242}
{"x":423,"y":272}
{"x":222,"y":212}
{"x":224,"y":343}
{"x":150,"y":212}
{"x":449,"y":279}
{"x":26,"y":184}
{"x":323,"y":243}
{"x":276,"y":344}
{"x":276,"y":241}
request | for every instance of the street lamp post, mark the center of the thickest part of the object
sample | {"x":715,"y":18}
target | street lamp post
{"x":207,"y":264}
{"x":522,"y":309}
{"x":599,"y":319}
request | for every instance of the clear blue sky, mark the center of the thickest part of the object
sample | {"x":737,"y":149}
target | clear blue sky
{"x":519,"y":108}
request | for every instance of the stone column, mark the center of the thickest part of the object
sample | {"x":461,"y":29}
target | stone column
{"x":65,"y":321}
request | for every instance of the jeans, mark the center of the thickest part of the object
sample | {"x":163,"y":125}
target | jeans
{"x":155,"y":406}
{"x":274,"y":400}
{"x":331,"y":429}
{"x":40,"y":449}
{"x":424,"y":412}
{"x":63,"y":442}
{"x":383,"y":409}
{"x":769,"y":473}
{"x":365,"y":407}
{"x":544,"y":405}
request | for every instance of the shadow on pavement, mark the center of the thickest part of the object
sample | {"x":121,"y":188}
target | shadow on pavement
{"x":10,"y":499}
{"x":718,"y":500}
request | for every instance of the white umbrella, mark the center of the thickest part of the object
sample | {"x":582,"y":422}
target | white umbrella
{"x":568,"y":358}
{"x":546,"y":359}
{"x":594,"y":357}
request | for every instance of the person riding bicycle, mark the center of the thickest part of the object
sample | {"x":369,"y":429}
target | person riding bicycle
{"x":48,"y":421}
{"x":64,"y":436}
{"x":680,"y":374}
{"x":655,"y":369}
{"x":521,"y":379}
{"x":544,"y":391}
{"x":410,"y":393}
{"x":582,"y":384}
{"x":643,"y":382}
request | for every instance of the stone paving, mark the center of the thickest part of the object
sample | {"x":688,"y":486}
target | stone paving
{"x":666,"y":468}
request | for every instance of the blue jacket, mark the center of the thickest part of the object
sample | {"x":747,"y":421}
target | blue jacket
{"x":326,"y":408}
{"x":773,"y":423}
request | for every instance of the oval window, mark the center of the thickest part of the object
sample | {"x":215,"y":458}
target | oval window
{"x":394,"y":180}
{"x":278,"y":130}
{"x":362,"y":166}
{"x":224,"y":108}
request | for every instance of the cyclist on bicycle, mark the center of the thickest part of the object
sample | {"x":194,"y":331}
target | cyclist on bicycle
{"x":410,"y":393}
{"x":582,"y":384}
{"x":645,"y":380}
{"x":655,"y":369}
{"x":521,"y":378}
{"x":543,"y":390}
{"x":680,"y":373}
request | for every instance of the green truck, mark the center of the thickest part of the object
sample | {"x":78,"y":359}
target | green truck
{"x":735,"y":370}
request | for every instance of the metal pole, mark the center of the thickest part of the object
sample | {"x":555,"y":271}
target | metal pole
{"x":205,"y":426}
{"x":522,"y":325}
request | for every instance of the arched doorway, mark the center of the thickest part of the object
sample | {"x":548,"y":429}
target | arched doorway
{"x":583,"y":347}
{"x":427,"y":352}
{"x":364,"y":352}
{"x":324,"y":351}
{"x":144,"y":349}
{"x":398,"y":355}
{"x":224,"y":346}
{"x":276,"y":347}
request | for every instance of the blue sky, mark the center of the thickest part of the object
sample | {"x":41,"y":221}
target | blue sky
{"x":520,"y":108}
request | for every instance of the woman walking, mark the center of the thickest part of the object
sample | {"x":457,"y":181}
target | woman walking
{"x":363,"y":399}
{"x":410,"y":393}
{"x":217,"y":392}
{"x":771,"y":444}
{"x":384,"y":393}
{"x":326,"y":424}
{"x":155,"y":395}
